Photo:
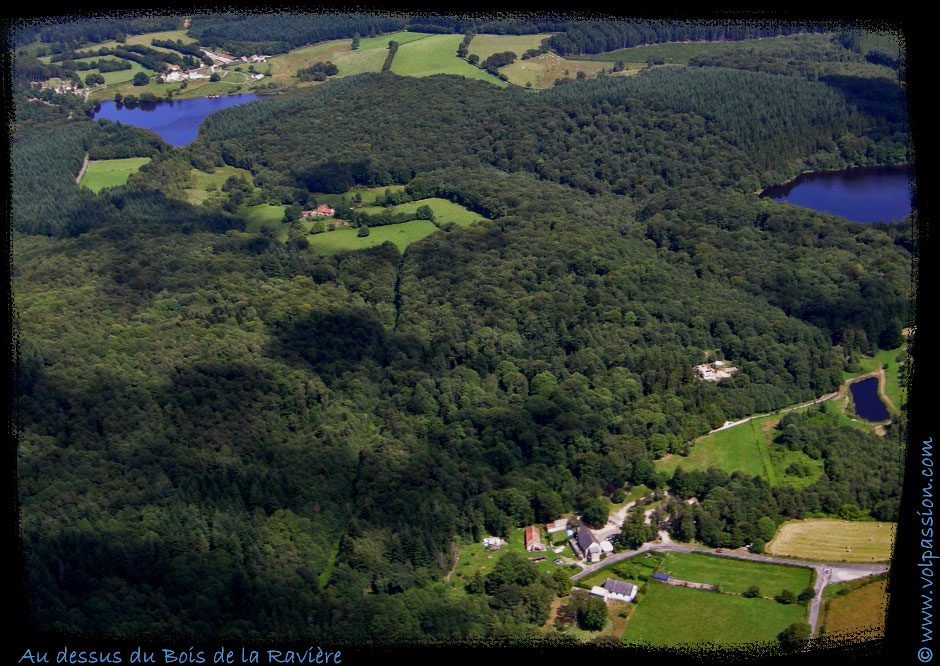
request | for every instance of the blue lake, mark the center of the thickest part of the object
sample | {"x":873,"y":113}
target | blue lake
{"x":868,"y":404}
{"x":865,"y":194}
{"x":177,"y":121}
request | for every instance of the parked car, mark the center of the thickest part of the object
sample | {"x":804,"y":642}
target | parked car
{"x":719,"y":551}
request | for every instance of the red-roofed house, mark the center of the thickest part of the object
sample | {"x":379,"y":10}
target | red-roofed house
{"x":533,"y":540}
{"x":322,"y":209}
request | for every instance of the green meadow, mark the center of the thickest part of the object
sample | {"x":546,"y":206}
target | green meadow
{"x":437,"y":54}
{"x":256,"y":216}
{"x":120,"y":76}
{"x":110,"y":173}
{"x":381,"y":42}
{"x":204,"y":184}
{"x":672,"y":615}
{"x":444,"y":211}
{"x":344,"y":240}
{"x":747,"y":448}
{"x":736,"y":576}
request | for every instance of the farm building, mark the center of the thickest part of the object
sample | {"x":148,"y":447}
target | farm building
{"x":558,"y":526}
{"x":661,"y":576}
{"x":533,"y":540}
{"x":322,"y":209}
{"x":589,"y":546}
{"x":714,"y":372}
{"x":617,"y":590}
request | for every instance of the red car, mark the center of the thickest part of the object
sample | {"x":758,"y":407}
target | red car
{"x":719,"y":551}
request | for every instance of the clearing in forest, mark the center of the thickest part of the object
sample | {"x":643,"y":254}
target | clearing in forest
{"x":542,"y":70}
{"x":343,"y":240}
{"x":437,"y":54}
{"x":747,"y":448}
{"x":486,"y":45}
{"x":110,"y":173}
{"x":830,"y":540}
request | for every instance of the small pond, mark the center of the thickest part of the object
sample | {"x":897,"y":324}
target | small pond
{"x":868,"y":404}
{"x":864,"y":194}
{"x":177,"y":122}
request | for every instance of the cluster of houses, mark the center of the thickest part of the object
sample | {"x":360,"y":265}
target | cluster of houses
{"x":228,"y":60}
{"x":321,"y":210}
{"x":177,"y":74}
{"x":63,"y":88}
{"x":715,"y":371}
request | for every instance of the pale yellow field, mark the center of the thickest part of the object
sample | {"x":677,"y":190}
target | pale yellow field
{"x":338,"y":51}
{"x":834,"y":540}
{"x":859,"y":610}
{"x":486,"y":45}
{"x":541,"y":71}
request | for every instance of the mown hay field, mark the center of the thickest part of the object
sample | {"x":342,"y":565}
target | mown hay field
{"x":863,"y":608}
{"x":834,"y":540}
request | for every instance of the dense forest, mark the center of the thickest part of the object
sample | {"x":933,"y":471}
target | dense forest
{"x":222,"y":434}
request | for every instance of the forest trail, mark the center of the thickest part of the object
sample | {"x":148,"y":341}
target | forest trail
{"x":81,"y":173}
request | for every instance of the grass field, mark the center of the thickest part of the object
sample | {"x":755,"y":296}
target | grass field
{"x":255,"y":216}
{"x":343,"y":240}
{"x":671,"y":615}
{"x":381,"y":42}
{"x":121,"y":76}
{"x":444,"y":211}
{"x":827,"y":540}
{"x":736,"y":576}
{"x":747,"y":448}
{"x":861,"y":608}
{"x":206,"y":183}
{"x":110,"y":173}
{"x":486,"y":45}
{"x":541,"y":71}
{"x":144,"y":39}
{"x":437,"y":54}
